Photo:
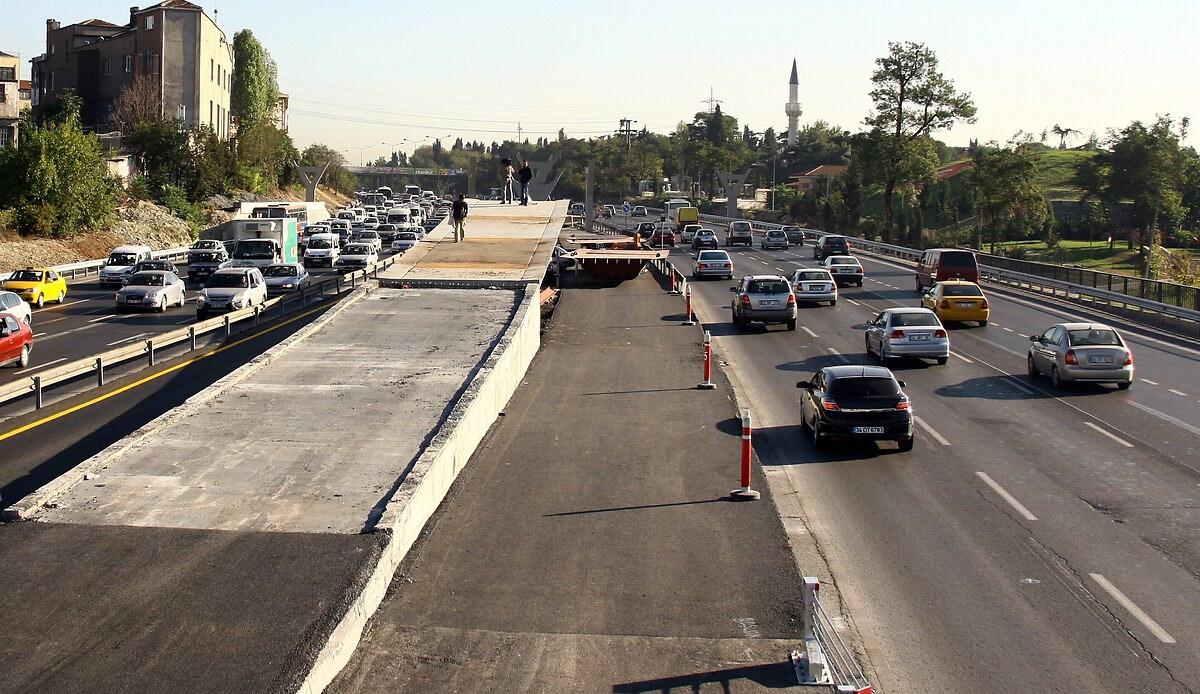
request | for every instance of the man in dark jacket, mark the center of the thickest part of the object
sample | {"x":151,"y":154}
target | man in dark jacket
{"x":525,"y":175}
{"x":458,"y":218}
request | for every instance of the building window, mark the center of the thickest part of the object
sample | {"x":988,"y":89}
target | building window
{"x":107,"y":66}
{"x":210,"y":112}
{"x":129,"y":63}
{"x":212,"y":69}
{"x":8,"y":74}
{"x":5,"y":136}
{"x":149,"y":22}
{"x":50,"y":82}
{"x":3,"y":94}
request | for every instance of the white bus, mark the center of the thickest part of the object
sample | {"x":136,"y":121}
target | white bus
{"x":672,"y":205}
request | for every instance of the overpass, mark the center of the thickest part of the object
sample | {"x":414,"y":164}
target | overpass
{"x":439,"y":180}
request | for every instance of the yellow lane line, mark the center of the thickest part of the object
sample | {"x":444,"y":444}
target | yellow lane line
{"x":130,"y":386}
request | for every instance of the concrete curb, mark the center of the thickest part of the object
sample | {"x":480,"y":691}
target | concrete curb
{"x":27,"y":508}
{"x":426,"y":484}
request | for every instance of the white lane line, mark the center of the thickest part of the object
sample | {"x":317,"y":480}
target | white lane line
{"x":956,"y":354}
{"x":1110,"y":435}
{"x":780,"y":269}
{"x":810,"y":332}
{"x":1015,"y":383}
{"x":38,"y":334}
{"x":128,"y":339}
{"x":852,"y":301}
{"x":993,"y":322}
{"x":52,"y":320}
{"x":1008,"y":330}
{"x":837,"y":354}
{"x":1012,"y":501}
{"x":1133,"y":609}
{"x":1146,"y":380}
{"x":1166,"y":417}
{"x":35,"y":368}
{"x":97,"y":320}
{"x":1177,"y":392}
{"x":931,"y":431}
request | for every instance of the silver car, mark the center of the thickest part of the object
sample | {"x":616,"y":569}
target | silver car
{"x":1081,"y":352}
{"x":231,"y":289}
{"x":814,"y":284}
{"x":764,"y":299}
{"x":774,"y":239}
{"x":908,"y":332}
{"x":286,"y":277}
{"x":153,"y":289}
{"x":712,"y":264}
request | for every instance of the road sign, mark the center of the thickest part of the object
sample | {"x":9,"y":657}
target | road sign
{"x":625,"y":208}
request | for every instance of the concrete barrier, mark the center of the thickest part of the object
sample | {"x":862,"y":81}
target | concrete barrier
{"x":430,"y":478}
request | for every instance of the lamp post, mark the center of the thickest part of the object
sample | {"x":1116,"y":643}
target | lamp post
{"x":360,"y":151}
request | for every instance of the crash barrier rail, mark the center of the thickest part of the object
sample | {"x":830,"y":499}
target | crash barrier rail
{"x":36,"y":384}
{"x":826,"y":659}
{"x":1167,"y":316}
{"x":90,"y":267}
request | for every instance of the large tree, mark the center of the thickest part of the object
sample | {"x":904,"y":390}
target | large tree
{"x":254,"y":91}
{"x":912,"y":99}
{"x":139,"y":103}
{"x":1009,"y":198}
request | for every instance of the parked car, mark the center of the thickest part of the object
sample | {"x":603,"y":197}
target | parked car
{"x":285,"y":278}
{"x":231,"y":289}
{"x":907,"y":332}
{"x":764,"y":299}
{"x":12,"y":303}
{"x":610,"y":211}
{"x":705,"y":238}
{"x":37,"y":285}
{"x":561,"y":258}
{"x":644,"y":229}
{"x":740,"y":232}
{"x":358,"y":255}
{"x":1081,"y":353}
{"x":865,"y":403}
{"x":712,"y":263}
{"x":957,"y":300}
{"x":845,"y":269}
{"x":638,"y":211}
{"x":689,"y":233}
{"x":152,"y":289}
{"x":814,"y":284}
{"x":120,"y":262}
{"x":16,"y":341}
{"x":831,"y":245}
{"x":938,"y":264}
{"x":774,"y":239}
{"x":794,"y":234}
{"x":577,"y":208}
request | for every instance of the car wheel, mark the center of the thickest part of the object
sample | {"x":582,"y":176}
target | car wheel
{"x":918,"y":284}
{"x":1055,"y":379}
{"x":906,"y":444}
{"x":833,"y":303}
{"x":983,"y":324}
{"x":791,"y":324}
{"x":818,"y":441}
{"x":1125,"y":385}
{"x":23,"y":360}
{"x":162,"y":304}
{"x":62,"y":296}
{"x":942,"y":360}
{"x":1031,"y":367}
{"x":41,"y":301}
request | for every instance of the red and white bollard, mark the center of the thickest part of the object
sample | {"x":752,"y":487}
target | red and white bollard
{"x":745,"y":493}
{"x":707,"y":384}
{"x":688,"y":317}
{"x":674,"y":287}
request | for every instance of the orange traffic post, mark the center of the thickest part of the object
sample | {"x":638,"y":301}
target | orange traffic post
{"x":707,"y":384}
{"x":745,"y":493}
{"x":688,"y":317}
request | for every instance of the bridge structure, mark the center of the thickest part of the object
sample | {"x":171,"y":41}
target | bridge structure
{"x":440,"y":180}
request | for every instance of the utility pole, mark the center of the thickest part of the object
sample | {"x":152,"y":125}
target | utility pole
{"x":711,"y":101}
{"x":626,"y":130}
{"x":518,"y":132}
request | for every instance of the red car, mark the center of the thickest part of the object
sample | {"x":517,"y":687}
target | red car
{"x":662,"y":237}
{"x":16,"y":341}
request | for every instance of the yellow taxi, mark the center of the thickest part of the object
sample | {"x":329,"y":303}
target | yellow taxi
{"x":37,"y":285}
{"x":957,"y":300}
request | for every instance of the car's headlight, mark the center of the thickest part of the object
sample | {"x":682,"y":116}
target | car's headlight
{"x":201,"y":298}
{"x":290,"y":285}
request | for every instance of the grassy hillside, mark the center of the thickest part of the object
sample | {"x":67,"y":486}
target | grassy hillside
{"x":1056,"y":168}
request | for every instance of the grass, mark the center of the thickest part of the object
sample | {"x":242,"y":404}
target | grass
{"x":1094,"y":256}
{"x":1056,"y":168}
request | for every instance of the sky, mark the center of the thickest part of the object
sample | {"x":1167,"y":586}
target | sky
{"x":370,"y":76}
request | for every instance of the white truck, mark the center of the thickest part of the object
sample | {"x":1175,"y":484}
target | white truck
{"x":262,"y":242}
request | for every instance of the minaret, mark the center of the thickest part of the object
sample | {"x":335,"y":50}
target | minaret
{"x":792,"y":107}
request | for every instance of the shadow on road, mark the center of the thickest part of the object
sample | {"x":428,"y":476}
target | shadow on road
{"x":1018,"y":388}
{"x":634,"y":508}
{"x":772,"y":675}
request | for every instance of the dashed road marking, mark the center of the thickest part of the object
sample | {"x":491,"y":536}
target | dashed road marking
{"x":838,"y":354}
{"x":40,"y":366}
{"x":956,"y":354}
{"x":1166,"y":417}
{"x":1109,"y":434}
{"x":1146,"y":380}
{"x":128,"y":339}
{"x":931,"y":431}
{"x":810,"y":332}
{"x":1160,"y":633}
{"x":1012,"y":500}
{"x":1007,"y":330}
{"x":852,"y":301}
{"x":1177,"y":392}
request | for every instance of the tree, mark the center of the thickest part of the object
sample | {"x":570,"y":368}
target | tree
{"x":716,"y":127}
{"x":137,"y":104}
{"x":1004,"y":182}
{"x":254,"y":92}
{"x":1063,"y":134}
{"x":336,"y":176}
{"x":911,"y":100}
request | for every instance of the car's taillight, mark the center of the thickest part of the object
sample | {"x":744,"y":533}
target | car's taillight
{"x":902,"y":405}
{"x":944,"y":304}
{"x":1070,"y":357}
{"x":939,"y":333}
{"x":728,"y":266}
{"x":983,"y":304}
{"x":1128,"y":358}
{"x":791,"y":298}
{"x":897,"y":335}
{"x":745,"y":300}
{"x":858,"y":270}
{"x":828,"y":404}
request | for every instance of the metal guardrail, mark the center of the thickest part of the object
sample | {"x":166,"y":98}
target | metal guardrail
{"x":96,"y":364}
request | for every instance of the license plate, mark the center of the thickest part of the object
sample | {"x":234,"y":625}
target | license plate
{"x":133,"y":299}
{"x":769,"y":302}
{"x":965,"y":304}
{"x":867,"y":430}
{"x":1100,"y":360}
{"x":818,"y":288}
{"x":919,"y":338}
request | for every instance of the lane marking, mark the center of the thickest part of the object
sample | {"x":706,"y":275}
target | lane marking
{"x":852,"y":301}
{"x":838,"y":354}
{"x":38,"y":334}
{"x":128,"y":339}
{"x":52,"y":320}
{"x":1012,"y":501}
{"x":810,"y":332}
{"x":1146,"y":380}
{"x":1177,"y":392}
{"x":172,"y":369}
{"x":1110,"y":435}
{"x":1166,"y":417}
{"x":956,"y":354}
{"x":105,"y":317}
{"x":1160,"y":633}
{"x":931,"y":431}
{"x":35,"y":368}
{"x":1008,"y":330}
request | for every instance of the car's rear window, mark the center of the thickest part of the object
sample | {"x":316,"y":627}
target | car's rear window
{"x":901,"y":320}
{"x":814,"y":275}
{"x":834,"y":241}
{"x":843,"y":260}
{"x":775,"y":233}
{"x":961,"y":290}
{"x":863,"y":387}
{"x":767,"y":287}
{"x":713,"y":255}
{"x":957,"y":260}
{"x":1093,"y":338}
{"x":741,"y":226}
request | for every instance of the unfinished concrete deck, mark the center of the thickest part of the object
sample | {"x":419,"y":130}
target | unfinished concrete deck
{"x":312,"y":440}
{"x":503,"y":243}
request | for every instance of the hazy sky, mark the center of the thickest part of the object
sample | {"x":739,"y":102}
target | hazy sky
{"x":364,"y":72}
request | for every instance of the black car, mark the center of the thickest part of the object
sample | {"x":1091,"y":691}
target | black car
{"x":856,"y":402}
{"x":794,"y":235}
{"x":831,"y":245}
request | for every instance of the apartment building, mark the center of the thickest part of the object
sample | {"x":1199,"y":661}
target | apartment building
{"x":175,"y":44}
{"x":10,"y":98}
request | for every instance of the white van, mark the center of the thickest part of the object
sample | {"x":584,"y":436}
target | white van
{"x":120,"y":262}
{"x":401,"y":217}
{"x":322,"y":250}
{"x":412,"y":190}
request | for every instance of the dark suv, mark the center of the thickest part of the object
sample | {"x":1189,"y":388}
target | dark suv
{"x":831,"y":245}
{"x":795,"y":235}
{"x":856,"y":402}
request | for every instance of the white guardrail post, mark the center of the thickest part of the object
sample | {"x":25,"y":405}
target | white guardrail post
{"x":810,"y":665}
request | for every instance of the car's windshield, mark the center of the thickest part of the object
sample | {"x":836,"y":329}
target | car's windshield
{"x":207,"y":258}
{"x":814,"y":275}
{"x":713,"y":255}
{"x":741,"y":226}
{"x":280,"y":271}
{"x":705,"y":233}
{"x":152,"y":266}
{"x":228,"y":280}
{"x":122,"y":259}
{"x":358,"y":249}
{"x":961,"y":290}
{"x":320,"y":244}
{"x":149,"y":279}
{"x":863,"y":387}
{"x":206,"y":244}
{"x":26,"y":276}
{"x":255,"y":249}
{"x":767,"y":287}
{"x":902,"y":320}
{"x":407,"y":236}
{"x":1094,"y":337}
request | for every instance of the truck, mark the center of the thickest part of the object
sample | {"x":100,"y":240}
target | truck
{"x":685,"y":216}
{"x":262,"y":242}
{"x":671,"y":205}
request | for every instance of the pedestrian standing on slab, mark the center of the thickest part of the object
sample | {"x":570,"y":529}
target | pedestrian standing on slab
{"x":506,"y":181}
{"x":526,"y":175}
{"x":458,"y":218}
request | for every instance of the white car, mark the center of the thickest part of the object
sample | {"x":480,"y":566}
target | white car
{"x":814,"y":284}
{"x":845,"y":269}
{"x":688,"y":233}
{"x":15,"y":305}
{"x":356,"y":255}
{"x":712,"y":264}
{"x":231,"y":289}
{"x":153,"y":289}
{"x":404,"y":240}
{"x":321,"y":249}
{"x":367,"y":236}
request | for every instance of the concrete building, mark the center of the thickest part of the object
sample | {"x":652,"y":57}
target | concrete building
{"x":174,"y":44}
{"x":10,"y":98}
{"x":792,"y":107}
{"x":279,"y":116}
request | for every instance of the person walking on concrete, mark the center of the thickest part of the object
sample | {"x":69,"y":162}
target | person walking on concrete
{"x":526,"y":175}
{"x":458,"y":218}
{"x":506,"y":181}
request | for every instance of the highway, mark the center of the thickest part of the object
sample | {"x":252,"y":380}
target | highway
{"x":1035,"y":539}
